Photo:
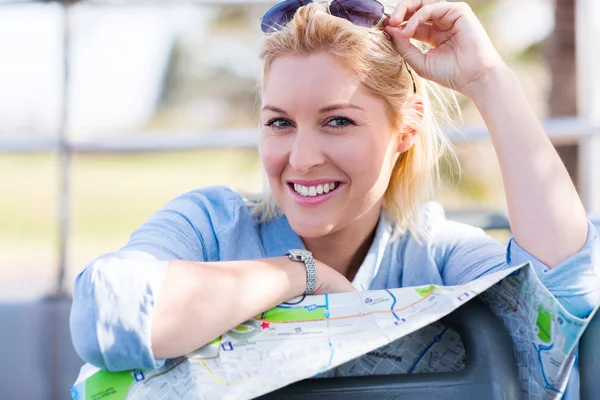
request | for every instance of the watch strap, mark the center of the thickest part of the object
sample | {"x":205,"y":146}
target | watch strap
{"x":311,"y":274}
{"x":311,"y":268}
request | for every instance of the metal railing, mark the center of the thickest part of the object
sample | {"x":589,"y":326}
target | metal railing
{"x":575,"y":129}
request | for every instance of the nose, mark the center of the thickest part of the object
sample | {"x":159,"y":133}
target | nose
{"x":306,"y":152}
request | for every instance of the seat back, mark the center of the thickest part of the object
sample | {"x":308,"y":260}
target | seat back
{"x":490,"y":372}
{"x":589,"y":360}
{"x":39,"y":361}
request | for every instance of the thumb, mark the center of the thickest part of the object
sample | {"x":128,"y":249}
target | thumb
{"x":411,"y":53}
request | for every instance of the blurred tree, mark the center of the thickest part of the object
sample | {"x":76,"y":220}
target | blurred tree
{"x":210,"y":81}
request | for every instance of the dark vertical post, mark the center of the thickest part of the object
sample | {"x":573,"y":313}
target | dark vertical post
{"x":561,"y":56}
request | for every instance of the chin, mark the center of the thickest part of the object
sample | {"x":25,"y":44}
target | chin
{"x":310,"y":229}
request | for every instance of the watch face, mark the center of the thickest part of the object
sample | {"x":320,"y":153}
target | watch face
{"x":300,"y":253}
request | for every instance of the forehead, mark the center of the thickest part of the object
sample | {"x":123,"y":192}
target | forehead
{"x":312,"y":79}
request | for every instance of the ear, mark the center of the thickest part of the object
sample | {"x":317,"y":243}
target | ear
{"x":413,"y":117}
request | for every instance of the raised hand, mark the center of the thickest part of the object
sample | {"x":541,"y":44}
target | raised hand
{"x":462,"y":52}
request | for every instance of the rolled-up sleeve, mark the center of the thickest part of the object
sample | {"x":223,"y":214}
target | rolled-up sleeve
{"x":115,"y":295}
{"x":465,"y":253}
{"x":575,"y":282}
{"x":113,"y":300}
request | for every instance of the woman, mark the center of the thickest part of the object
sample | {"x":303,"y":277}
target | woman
{"x":350,"y":150}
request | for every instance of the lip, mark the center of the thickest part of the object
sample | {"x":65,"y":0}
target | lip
{"x":316,"y":200}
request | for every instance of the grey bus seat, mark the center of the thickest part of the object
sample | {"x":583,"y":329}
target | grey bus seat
{"x":589,"y":350}
{"x":589,"y":361}
{"x":490,"y":372}
{"x":38,"y":358}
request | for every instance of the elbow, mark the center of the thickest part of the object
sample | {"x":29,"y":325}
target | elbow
{"x":83,"y":320}
{"x":110,"y":320}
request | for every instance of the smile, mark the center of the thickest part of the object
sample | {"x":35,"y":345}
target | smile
{"x":314,"y":191}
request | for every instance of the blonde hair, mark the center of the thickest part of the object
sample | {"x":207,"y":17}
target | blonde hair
{"x":371,"y":58}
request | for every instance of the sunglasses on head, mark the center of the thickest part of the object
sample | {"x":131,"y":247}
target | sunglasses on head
{"x":366,"y":13}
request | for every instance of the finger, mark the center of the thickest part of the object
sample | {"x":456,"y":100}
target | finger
{"x":423,"y":33}
{"x":413,"y":55}
{"x":442,"y":15}
{"x":405,"y":10}
{"x":386,"y":21}
{"x":398,"y":15}
{"x":431,"y":35}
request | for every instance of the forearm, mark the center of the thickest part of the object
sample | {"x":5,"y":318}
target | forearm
{"x":200,"y":301}
{"x":546,"y":215}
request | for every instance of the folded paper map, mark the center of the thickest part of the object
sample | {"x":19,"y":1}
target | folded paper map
{"x":359,"y":333}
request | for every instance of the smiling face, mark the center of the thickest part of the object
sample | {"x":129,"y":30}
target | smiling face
{"x":327,"y":145}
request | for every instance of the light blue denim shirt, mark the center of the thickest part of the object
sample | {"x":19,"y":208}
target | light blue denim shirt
{"x":114,"y":296}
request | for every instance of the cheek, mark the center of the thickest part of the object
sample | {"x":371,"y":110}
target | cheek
{"x":273,"y":159}
{"x":365,"y":162}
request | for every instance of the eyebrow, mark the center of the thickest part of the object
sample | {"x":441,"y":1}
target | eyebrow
{"x":330,"y":108}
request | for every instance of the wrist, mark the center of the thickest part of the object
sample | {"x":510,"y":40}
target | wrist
{"x":295,"y":273}
{"x":491,"y":85}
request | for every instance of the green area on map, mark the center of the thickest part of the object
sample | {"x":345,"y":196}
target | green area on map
{"x":241,"y":328}
{"x":278,"y":314}
{"x":544,"y":324}
{"x":104,"y":385}
{"x":425,"y":290}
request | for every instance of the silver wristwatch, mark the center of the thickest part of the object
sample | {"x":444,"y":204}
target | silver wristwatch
{"x":306,"y":257}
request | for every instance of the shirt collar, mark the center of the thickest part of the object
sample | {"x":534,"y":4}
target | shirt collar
{"x":370,"y":265}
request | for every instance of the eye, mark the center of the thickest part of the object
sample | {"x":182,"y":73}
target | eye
{"x":278,"y":123}
{"x":340,"y":122}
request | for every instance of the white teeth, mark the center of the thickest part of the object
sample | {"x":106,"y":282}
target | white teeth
{"x":312,"y":191}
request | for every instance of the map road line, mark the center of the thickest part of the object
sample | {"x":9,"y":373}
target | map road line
{"x":347,"y":316}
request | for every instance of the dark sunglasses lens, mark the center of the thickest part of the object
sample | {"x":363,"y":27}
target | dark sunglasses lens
{"x":280,"y":14}
{"x":365,"y":13}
